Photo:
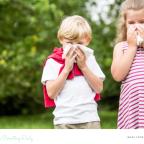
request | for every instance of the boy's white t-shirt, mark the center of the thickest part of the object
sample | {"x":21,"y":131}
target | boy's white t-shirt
{"x":75,"y":103}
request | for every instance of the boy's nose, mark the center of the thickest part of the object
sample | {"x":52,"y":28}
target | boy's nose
{"x":137,"y":25}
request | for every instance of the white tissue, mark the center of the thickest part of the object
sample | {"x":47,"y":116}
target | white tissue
{"x":66,"y":50}
{"x":139,"y":40}
{"x":87,"y":51}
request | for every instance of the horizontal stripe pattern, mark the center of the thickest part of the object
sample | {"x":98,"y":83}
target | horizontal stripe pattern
{"x":131,"y":105}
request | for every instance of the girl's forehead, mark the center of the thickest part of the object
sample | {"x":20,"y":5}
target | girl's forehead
{"x":135,"y":15}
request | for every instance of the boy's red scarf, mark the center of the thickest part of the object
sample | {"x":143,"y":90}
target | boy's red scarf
{"x":57,"y":56}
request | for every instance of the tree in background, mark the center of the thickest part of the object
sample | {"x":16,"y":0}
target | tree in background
{"x":104,"y":14}
{"x":28,"y":34}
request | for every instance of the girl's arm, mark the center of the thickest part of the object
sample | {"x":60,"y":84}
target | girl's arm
{"x":54,"y":87}
{"x":95,"y":82}
{"x":122,"y":61}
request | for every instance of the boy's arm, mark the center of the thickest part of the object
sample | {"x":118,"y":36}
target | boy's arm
{"x":54,"y":87}
{"x":94,"y":81}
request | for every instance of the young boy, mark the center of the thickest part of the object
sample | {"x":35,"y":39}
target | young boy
{"x":73,"y":81}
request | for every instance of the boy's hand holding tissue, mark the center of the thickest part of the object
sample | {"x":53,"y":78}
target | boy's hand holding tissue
{"x":87,"y":51}
{"x":82,"y":53}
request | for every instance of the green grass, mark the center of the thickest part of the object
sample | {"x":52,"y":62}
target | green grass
{"x":44,"y":121}
{"x":108,"y":119}
{"x":39,"y":121}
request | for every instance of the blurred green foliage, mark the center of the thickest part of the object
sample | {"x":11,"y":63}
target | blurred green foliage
{"x":28,"y":31}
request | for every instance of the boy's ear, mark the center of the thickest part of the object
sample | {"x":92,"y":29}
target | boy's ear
{"x":61,"y":41}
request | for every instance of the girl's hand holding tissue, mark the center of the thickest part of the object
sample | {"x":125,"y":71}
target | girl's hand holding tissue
{"x":132,"y":36}
{"x":140,"y":35}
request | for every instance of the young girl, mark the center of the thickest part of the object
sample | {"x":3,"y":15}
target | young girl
{"x":128,"y":64}
{"x":74,"y":81}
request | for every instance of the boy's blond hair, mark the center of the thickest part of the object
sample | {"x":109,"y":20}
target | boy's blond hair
{"x":121,"y":26}
{"x":74,"y":28}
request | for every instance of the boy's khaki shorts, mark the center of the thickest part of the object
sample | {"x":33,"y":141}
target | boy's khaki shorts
{"x":88,"y":125}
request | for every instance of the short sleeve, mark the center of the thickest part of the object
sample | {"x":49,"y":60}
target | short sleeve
{"x":50,"y":70}
{"x":94,"y":67}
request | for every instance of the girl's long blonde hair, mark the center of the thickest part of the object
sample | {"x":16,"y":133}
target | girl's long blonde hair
{"x":121,"y":26}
